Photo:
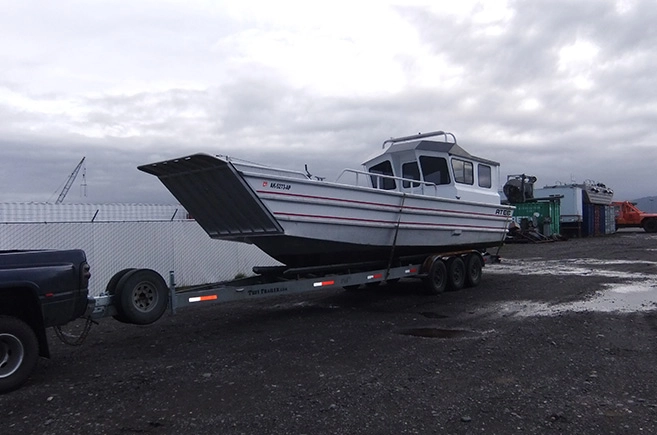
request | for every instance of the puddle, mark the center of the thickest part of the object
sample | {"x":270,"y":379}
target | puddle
{"x":440,"y":333}
{"x":579,"y":267}
{"x":636,"y":292}
{"x":603,"y":302}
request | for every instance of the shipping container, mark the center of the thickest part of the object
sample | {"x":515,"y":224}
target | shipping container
{"x":595,"y":220}
{"x":571,"y":202}
{"x":544,"y":214}
{"x":610,"y":218}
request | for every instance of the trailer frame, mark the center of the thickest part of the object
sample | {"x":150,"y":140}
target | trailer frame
{"x":455,"y":270}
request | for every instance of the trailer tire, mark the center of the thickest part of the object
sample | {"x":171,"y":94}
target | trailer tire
{"x":19,"y":352}
{"x":436,"y":279}
{"x":456,"y":273}
{"x":650,"y":225}
{"x":142,"y":296}
{"x":110,"y":289}
{"x":473,"y":270}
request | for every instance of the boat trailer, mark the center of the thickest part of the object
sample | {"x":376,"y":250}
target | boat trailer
{"x":141,"y":296}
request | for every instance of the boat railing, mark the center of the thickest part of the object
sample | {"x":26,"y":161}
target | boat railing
{"x":258,"y":166}
{"x":369,"y":179}
{"x":418,"y":136}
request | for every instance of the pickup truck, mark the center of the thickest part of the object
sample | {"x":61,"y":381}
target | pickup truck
{"x":629,"y":216}
{"x":38,"y":289}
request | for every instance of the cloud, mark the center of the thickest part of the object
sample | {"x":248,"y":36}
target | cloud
{"x":559,"y":89}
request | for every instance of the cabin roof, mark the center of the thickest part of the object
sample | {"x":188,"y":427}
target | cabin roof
{"x":450,"y":148}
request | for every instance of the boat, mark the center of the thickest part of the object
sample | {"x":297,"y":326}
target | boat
{"x":418,"y":195}
{"x":596,"y":193}
{"x":593,"y":192}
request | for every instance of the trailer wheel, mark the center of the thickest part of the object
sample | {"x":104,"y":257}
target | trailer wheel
{"x":650,"y":225}
{"x":142,"y":296}
{"x":436,"y":279}
{"x":456,"y":273}
{"x":473,"y":270}
{"x":19,"y":353}
{"x":111,"y":290}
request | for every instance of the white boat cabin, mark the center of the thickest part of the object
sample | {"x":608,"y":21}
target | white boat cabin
{"x":440,"y":168}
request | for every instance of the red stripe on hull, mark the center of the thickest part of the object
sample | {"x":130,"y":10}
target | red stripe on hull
{"x":377,"y":204}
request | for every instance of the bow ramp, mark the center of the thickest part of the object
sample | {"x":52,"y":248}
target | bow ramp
{"x":216,"y":195}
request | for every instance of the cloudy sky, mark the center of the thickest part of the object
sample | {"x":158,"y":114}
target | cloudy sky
{"x":561,"y":89}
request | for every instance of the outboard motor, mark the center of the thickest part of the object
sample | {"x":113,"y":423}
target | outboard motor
{"x":519,"y":188}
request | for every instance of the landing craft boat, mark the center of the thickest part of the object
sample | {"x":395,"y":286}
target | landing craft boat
{"x":419,"y":195}
{"x":596,"y":193}
{"x":593,"y":192}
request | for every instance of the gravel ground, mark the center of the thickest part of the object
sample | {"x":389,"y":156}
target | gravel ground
{"x":558,"y":338}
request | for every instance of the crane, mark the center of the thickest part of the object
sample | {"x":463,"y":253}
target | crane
{"x":69,"y":182}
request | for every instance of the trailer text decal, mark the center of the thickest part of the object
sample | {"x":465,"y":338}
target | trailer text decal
{"x":264,"y":291}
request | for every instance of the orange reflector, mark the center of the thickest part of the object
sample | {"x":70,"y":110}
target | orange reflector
{"x":203,"y":298}
{"x":323,"y":283}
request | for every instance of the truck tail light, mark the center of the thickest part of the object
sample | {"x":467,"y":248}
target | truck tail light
{"x":85,"y":274}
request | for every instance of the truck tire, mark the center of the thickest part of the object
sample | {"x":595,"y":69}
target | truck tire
{"x":436,"y":279}
{"x":19,"y":352}
{"x":110,"y":289}
{"x":142,"y":296}
{"x":473,"y":270}
{"x":650,"y":225}
{"x":455,"y":273}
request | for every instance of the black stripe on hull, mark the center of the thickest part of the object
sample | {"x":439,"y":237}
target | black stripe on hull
{"x":303,"y":252}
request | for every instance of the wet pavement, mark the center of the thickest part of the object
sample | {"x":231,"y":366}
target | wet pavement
{"x":558,"y":338}
{"x":629,"y":291}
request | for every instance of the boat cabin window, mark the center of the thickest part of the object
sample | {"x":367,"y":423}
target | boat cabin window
{"x":463,"y":171}
{"x":410,"y":170}
{"x":434,"y":170}
{"x":384,"y":168}
{"x":484,"y":177}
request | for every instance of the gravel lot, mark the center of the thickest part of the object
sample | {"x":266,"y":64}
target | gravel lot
{"x":558,"y":338}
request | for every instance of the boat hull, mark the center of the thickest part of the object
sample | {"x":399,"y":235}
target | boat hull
{"x":302,"y":252}
{"x":305,"y":222}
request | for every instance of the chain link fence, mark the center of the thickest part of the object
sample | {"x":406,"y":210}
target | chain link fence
{"x":167,"y":245}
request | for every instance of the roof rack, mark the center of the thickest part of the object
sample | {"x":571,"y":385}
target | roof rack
{"x":418,"y":136}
